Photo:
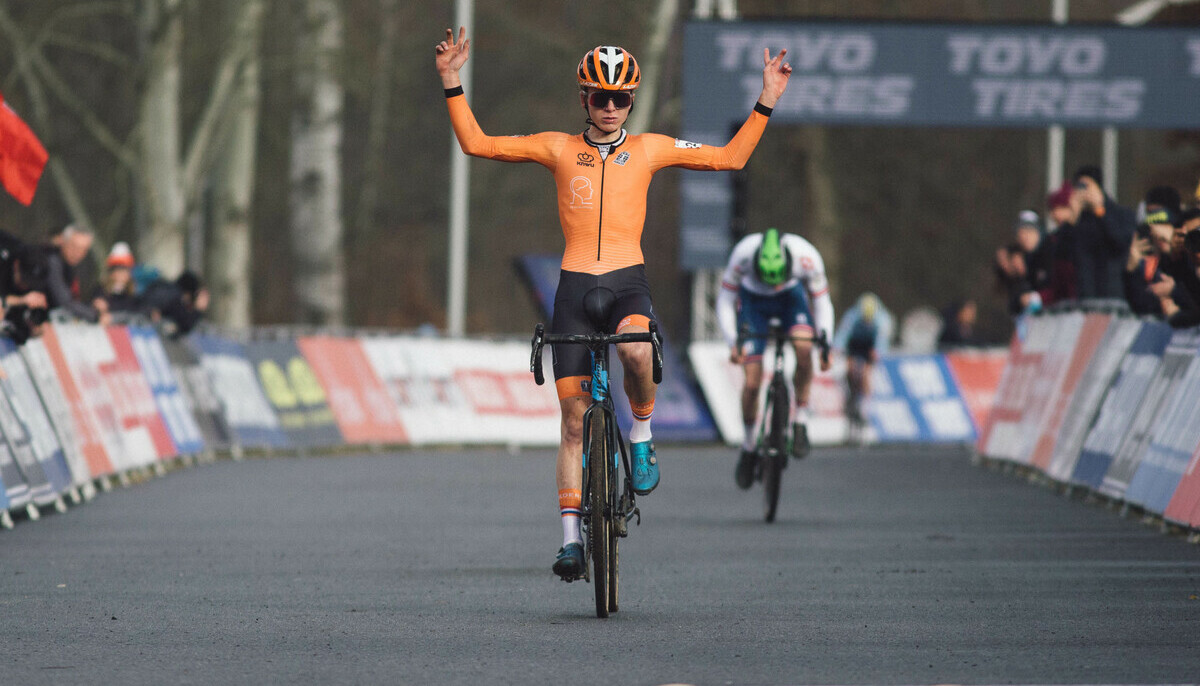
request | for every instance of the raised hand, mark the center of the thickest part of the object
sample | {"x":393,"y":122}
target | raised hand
{"x":450,"y":55}
{"x":775,"y":77}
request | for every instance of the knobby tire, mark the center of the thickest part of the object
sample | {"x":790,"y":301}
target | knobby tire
{"x":776,"y":451}
{"x":599,"y":526}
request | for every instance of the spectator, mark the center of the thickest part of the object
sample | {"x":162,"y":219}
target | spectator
{"x":958,"y":325}
{"x":1058,"y":247}
{"x":22,"y":288}
{"x":1151,"y":242}
{"x":1160,"y":198}
{"x":117,"y":294}
{"x":1024,"y":266}
{"x":1178,"y":291}
{"x":179,"y":305}
{"x":1099,"y":238}
{"x":67,"y":250}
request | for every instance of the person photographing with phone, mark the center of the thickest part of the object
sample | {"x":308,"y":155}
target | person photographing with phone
{"x":1100,"y":236}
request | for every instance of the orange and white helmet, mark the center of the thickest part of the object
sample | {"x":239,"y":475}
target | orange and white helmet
{"x":609,"y":68}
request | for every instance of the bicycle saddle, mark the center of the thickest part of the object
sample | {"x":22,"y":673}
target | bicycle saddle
{"x":597,"y":305}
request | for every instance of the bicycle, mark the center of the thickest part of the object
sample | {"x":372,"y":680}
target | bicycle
{"x":856,"y":419}
{"x":607,"y":509}
{"x":771,"y":449}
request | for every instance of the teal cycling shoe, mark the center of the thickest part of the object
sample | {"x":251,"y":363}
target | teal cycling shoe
{"x":645,"y":467}
{"x":570,"y":564}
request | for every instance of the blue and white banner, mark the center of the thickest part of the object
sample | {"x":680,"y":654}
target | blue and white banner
{"x":915,"y":398}
{"x":156,"y":368}
{"x":1117,"y":412}
{"x":27,"y":405}
{"x":1175,"y":428}
{"x":246,"y":409}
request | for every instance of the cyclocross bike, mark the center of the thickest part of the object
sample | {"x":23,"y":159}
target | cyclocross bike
{"x":773,"y":428}
{"x":608,"y":500}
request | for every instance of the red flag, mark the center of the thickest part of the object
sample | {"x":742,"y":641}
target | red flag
{"x":22,"y":157}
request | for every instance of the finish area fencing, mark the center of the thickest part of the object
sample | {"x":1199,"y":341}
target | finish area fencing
{"x":1106,"y":403}
{"x":85,"y":406}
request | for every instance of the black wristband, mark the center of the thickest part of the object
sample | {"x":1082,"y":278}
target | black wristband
{"x":451,"y":92}
{"x":763,"y":109}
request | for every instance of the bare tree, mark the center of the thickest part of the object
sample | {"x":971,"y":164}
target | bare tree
{"x":315,"y":179}
{"x":229,"y":249}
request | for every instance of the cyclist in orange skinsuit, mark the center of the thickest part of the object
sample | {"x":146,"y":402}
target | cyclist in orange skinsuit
{"x":602,"y":176}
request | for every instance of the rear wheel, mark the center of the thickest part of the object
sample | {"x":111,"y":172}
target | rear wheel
{"x":776,"y":448}
{"x":599,"y":530}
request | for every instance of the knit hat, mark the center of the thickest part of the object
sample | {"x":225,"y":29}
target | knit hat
{"x":1028,"y":218}
{"x":1060,"y":197}
{"x":120,"y":256}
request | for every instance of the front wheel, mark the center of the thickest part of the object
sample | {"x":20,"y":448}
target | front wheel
{"x":599,"y":528}
{"x":775,"y":448}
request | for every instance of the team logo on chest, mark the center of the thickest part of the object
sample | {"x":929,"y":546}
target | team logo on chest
{"x":585,"y":160}
{"x":621,"y":158}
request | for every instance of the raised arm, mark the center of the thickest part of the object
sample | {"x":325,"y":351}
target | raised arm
{"x":543,"y":148}
{"x":736,"y":153}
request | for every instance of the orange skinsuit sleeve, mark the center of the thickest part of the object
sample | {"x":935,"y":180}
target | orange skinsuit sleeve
{"x":669,"y":152}
{"x":542,"y":148}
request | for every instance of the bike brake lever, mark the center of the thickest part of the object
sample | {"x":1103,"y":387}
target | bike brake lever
{"x":656,"y":344}
{"x":535,"y":359}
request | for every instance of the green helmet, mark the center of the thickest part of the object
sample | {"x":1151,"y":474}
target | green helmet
{"x":773,"y":261}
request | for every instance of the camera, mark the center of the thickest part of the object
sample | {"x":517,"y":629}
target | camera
{"x":20,"y":322}
{"x":1143,"y":230}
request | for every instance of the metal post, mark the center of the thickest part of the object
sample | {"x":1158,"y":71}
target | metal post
{"x":1056,"y":141}
{"x":456,"y":291}
{"x":1108,"y":157}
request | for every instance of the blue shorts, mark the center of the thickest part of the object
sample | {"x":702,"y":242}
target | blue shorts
{"x":756,"y":311}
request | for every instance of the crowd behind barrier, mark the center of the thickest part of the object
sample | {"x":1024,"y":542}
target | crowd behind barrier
{"x":1104,"y":402}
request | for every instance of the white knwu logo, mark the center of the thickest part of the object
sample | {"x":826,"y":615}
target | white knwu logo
{"x":611,"y":59}
{"x":581,"y":192}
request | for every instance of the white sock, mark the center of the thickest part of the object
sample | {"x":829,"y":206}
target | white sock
{"x":801,"y":415}
{"x":640,"y":433}
{"x":570,"y":524}
{"x":748,"y":442}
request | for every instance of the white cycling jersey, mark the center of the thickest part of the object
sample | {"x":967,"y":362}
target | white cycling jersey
{"x":807,"y":268}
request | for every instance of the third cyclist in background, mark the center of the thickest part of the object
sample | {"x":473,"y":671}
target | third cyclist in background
{"x":781,"y":277}
{"x":862,"y":336}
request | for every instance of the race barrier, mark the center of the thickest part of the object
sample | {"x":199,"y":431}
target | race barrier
{"x":936,"y":398}
{"x":1107,"y":403}
{"x":84,"y":406}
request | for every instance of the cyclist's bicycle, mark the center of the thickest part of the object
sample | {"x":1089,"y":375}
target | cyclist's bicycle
{"x":856,"y":419}
{"x":774,"y":432}
{"x":608,"y":500}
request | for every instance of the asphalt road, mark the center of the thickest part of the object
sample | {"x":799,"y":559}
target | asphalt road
{"x":433,"y":567}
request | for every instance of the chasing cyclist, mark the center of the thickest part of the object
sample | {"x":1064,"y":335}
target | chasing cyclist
{"x":602,"y":176}
{"x":862,"y":335}
{"x":770,"y":276}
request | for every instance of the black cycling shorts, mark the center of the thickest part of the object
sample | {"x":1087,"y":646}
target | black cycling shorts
{"x":632,"y":298}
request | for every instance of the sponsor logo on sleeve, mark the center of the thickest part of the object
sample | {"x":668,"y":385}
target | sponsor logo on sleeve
{"x":679,"y":143}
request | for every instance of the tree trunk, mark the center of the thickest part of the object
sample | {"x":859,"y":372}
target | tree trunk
{"x":823,"y":201}
{"x":161,"y":241}
{"x":315,"y":197}
{"x":651,"y":65}
{"x":229,"y":248}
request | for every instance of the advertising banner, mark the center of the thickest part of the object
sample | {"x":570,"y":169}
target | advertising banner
{"x":18,"y":384}
{"x":58,"y":408}
{"x":914,"y":398}
{"x":1085,"y":403}
{"x":151,"y":357}
{"x":359,"y":400}
{"x":1174,"y":430}
{"x":16,"y":492}
{"x":1184,"y":507}
{"x":1002,"y":436}
{"x":247,"y":412}
{"x":722,"y":381}
{"x":1080,"y":345}
{"x":1137,"y":370}
{"x":1180,"y":351}
{"x":977,"y":374}
{"x":41,"y":491}
{"x":138,"y":411}
{"x":88,"y":434}
{"x":196,"y":391}
{"x":293,"y":390}
{"x":463,"y":391}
